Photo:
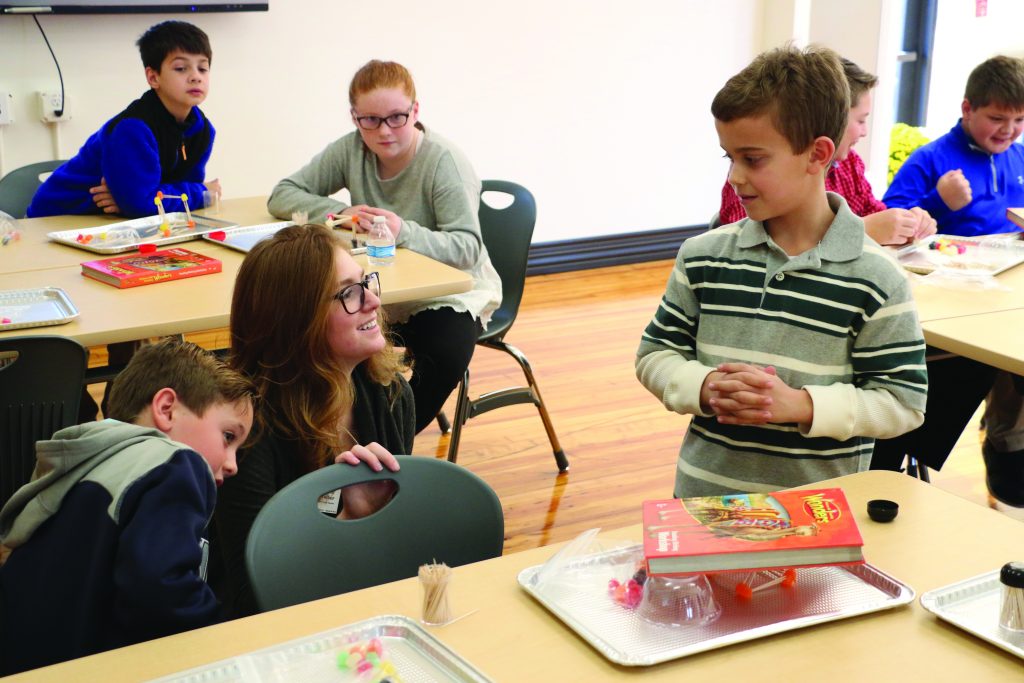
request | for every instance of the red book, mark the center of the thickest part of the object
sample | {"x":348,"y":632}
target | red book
{"x":794,"y":528}
{"x":145,"y":269}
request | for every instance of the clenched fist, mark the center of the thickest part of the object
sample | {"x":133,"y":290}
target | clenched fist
{"x":954,"y":189}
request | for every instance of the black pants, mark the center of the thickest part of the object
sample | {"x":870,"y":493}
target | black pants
{"x":440,"y":343}
{"x":956,"y":387}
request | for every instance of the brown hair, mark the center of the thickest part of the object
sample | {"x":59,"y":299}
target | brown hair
{"x":377,"y":74}
{"x":199,"y":379}
{"x":166,"y":37}
{"x":279,"y":338}
{"x":999,"y":81}
{"x":803,"y":91}
{"x":859,"y":80}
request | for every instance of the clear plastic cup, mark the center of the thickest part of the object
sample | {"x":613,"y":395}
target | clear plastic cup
{"x":678,"y":601}
{"x":211,"y":202}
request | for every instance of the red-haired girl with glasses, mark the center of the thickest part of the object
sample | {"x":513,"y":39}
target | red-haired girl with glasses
{"x":394,"y":166}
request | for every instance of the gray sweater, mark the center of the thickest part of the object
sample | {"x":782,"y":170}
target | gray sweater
{"x":838,"y":321}
{"x":437,"y":197}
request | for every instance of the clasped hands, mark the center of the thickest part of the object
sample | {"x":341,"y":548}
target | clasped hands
{"x":747,"y":394}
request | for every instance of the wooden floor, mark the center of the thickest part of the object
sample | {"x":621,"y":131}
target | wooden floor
{"x":580,"y":331}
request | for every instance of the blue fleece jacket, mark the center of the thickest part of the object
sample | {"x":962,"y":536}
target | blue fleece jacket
{"x":997,"y":183}
{"x":139,"y":152}
{"x":106,"y":545}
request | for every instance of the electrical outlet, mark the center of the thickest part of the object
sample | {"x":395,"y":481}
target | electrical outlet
{"x":50,"y":104}
{"x":6,"y":108}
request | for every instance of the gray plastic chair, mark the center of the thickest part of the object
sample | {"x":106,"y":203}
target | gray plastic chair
{"x":40,"y":388}
{"x":507,"y":234}
{"x":18,"y":187}
{"x":441,"y":512}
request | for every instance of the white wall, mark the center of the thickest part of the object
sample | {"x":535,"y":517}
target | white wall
{"x":598,"y":106}
{"x":868,"y":33}
{"x":962,"y":41}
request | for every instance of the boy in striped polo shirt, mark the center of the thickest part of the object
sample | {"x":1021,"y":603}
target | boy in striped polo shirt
{"x":791,"y":336}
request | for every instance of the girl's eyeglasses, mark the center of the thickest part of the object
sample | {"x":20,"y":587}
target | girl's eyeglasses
{"x":373,"y":122}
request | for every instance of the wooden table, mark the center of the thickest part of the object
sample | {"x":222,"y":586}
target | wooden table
{"x":937,"y":539}
{"x":108,"y":314}
{"x":939,"y":303}
{"x":996,"y":339}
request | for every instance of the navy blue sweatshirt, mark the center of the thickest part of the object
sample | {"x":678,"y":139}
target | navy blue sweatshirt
{"x":106,"y":545}
{"x":139,"y":152}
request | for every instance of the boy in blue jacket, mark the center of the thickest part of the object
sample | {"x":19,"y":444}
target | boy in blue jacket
{"x":967,"y":178}
{"x":160,"y":142}
{"x":107,"y":546}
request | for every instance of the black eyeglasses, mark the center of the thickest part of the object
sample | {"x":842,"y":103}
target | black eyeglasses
{"x":393,"y":120}
{"x":353,"y":297}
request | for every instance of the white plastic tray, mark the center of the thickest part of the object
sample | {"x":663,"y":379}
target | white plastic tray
{"x":820,"y":594}
{"x":973,"y":605}
{"x":38,"y":307}
{"x":245,"y":237}
{"x":982,"y":255}
{"x":115,"y":238}
{"x":417,"y":656}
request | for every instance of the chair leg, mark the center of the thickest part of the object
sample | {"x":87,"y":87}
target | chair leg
{"x":461,"y":415}
{"x":443,"y":424}
{"x":918,"y":469}
{"x":556,"y":447}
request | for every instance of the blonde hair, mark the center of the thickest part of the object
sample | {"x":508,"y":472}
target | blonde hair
{"x":279,"y":339}
{"x":804,"y":92}
{"x":377,"y":74}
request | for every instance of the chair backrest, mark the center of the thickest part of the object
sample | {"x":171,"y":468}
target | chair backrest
{"x":18,"y":186}
{"x":441,"y":512}
{"x":40,"y":388}
{"x":507,"y":234}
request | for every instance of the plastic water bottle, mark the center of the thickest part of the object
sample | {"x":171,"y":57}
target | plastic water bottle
{"x":380,"y":244}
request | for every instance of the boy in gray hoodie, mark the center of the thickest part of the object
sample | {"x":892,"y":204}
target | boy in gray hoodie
{"x":107,"y":546}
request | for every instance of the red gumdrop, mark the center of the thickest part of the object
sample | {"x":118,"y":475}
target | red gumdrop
{"x":743,"y":591}
{"x":218,"y":235}
{"x":789,"y":578}
{"x":147,"y":248}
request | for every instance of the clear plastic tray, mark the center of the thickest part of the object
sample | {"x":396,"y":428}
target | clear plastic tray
{"x":989,"y":255}
{"x":973,"y":605}
{"x":245,"y":238}
{"x":115,"y":238}
{"x":38,"y":307}
{"x":417,"y":656}
{"x":820,"y":594}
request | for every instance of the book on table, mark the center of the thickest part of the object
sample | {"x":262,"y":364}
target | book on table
{"x":794,"y":528}
{"x":145,"y":269}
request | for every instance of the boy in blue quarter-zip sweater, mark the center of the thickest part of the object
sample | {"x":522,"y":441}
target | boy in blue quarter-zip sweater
{"x":790,"y":336}
{"x":160,"y":142}
{"x":967,"y":178}
{"x":107,"y":539}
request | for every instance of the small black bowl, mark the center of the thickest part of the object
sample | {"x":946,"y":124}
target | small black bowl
{"x":883,"y":510}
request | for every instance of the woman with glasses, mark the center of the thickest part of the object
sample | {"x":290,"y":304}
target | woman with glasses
{"x":307,"y":328}
{"x":393,"y":166}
